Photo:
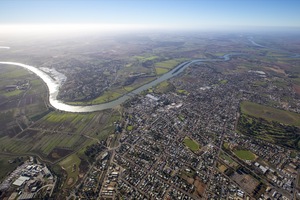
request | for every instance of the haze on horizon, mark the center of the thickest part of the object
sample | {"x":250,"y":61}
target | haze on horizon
{"x":66,"y":15}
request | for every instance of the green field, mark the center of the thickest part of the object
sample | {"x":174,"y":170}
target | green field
{"x":164,"y":87}
{"x":71,"y":166}
{"x":160,"y":71}
{"x":145,"y":58}
{"x":271,"y":131}
{"x":244,"y":154}
{"x":270,"y":114}
{"x":226,"y":145}
{"x":230,"y":162}
{"x":223,"y":81}
{"x":129,"y":128}
{"x":182,"y":92}
{"x":169,"y":64}
{"x":27,"y":103}
{"x":191,"y":144}
{"x":106,"y":97}
{"x":12,"y":93}
{"x":59,"y":130}
{"x":7,"y":167}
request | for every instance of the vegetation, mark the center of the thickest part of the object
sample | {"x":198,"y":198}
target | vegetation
{"x":223,"y":81}
{"x":182,"y":92}
{"x":7,"y":164}
{"x":191,"y":144}
{"x":71,"y":166}
{"x":226,"y":145}
{"x":160,"y":71}
{"x":169,"y":64}
{"x":244,"y":154}
{"x":129,"y":128}
{"x":163,"y":87}
{"x":275,"y":132}
{"x":229,"y":161}
{"x":270,"y":114}
{"x":13,"y":93}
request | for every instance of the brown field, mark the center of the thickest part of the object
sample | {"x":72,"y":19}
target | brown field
{"x":296,"y":89}
{"x":200,"y":187}
{"x":247,"y":182}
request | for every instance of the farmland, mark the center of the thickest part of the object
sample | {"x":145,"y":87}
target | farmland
{"x":22,"y":98}
{"x":59,"y":130}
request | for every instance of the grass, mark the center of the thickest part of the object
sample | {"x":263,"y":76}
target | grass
{"x":14,"y":72}
{"x":271,"y":131}
{"x":160,"y":71}
{"x":270,"y":114}
{"x":223,"y":81}
{"x":129,"y":128}
{"x":56,"y":117}
{"x":71,"y":166}
{"x":191,"y":144}
{"x":12,"y":93}
{"x":106,"y":97}
{"x":244,"y":154}
{"x":7,"y":167}
{"x":169,"y":64}
{"x":226,"y":145}
{"x":260,"y":83}
{"x":227,"y":158}
{"x":182,"y":92}
{"x":145,"y":58}
{"x":163,"y":87}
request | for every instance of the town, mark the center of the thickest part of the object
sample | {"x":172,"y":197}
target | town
{"x":185,"y":144}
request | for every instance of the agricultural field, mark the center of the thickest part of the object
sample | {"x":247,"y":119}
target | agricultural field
{"x":191,"y":144}
{"x":59,"y":134}
{"x":23,"y":99}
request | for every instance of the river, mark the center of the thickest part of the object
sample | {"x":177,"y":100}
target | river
{"x":53,"y":85}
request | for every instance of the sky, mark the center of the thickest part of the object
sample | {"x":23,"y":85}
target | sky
{"x":180,"y":14}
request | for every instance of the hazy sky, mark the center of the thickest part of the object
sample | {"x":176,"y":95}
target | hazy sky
{"x":163,"y":13}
